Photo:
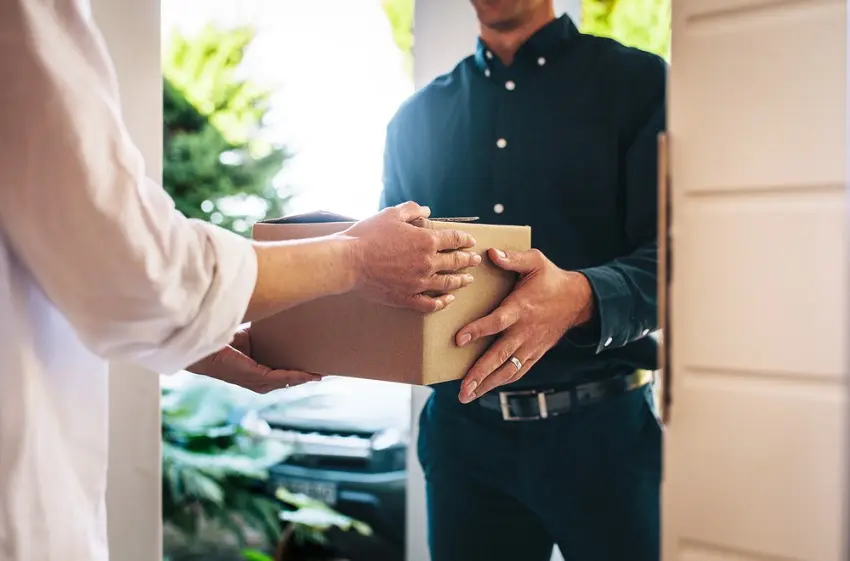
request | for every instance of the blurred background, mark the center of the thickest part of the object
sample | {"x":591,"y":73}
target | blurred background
{"x":274,"y":107}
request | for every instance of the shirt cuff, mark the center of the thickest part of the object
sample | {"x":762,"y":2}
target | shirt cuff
{"x":613,"y":309}
{"x":223,"y":308}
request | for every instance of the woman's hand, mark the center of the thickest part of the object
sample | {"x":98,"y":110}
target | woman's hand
{"x":233,"y":364}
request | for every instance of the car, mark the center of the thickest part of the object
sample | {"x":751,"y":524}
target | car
{"x":349,"y":439}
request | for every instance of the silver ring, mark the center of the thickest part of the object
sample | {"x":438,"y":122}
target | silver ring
{"x":516,"y":362}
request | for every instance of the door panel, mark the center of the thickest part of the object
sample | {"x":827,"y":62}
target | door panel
{"x":761,"y":479}
{"x":769,"y":83}
{"x":776,"y":308}
{"x":754,"y":450}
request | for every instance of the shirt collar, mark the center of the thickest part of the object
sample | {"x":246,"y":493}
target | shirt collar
{"x":544,"y":43}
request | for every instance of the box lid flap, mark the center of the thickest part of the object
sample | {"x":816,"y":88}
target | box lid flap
{"x":316,"y":217}
{"x":325,"y":217}
{"x":456,"y":219}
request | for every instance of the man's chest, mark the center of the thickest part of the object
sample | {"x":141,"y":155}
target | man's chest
{"x":518,"y":157}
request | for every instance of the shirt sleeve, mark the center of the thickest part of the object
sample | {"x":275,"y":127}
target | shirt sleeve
{"x":625,"y":289}
{"x":136,"y":279}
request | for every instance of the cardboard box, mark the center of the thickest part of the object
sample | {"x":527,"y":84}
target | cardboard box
{"x":349,"y":336}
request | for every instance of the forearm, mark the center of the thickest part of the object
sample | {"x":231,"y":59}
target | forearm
{"x":290,"y":273}
{"x":136,"y":279}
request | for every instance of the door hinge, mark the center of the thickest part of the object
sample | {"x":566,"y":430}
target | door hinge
{"x":665,"y":269}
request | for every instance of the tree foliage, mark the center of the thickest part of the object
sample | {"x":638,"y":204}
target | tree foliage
{"x":644,"y":24}
{"x":217,"y":165}
{"x":401,"y":15}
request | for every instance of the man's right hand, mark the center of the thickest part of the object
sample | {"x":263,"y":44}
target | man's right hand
{"x":401,"y":264}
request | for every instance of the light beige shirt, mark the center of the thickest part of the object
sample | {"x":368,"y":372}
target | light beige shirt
{"x":95,"y":264}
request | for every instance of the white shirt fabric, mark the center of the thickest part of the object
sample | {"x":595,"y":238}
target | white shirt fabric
{"x":95,"y":264}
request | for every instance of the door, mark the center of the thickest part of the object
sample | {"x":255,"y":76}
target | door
{"x":754,"y":451}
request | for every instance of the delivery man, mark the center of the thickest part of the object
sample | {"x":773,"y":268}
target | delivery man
{"x":551,"y":438}
{"x":95,"y":263}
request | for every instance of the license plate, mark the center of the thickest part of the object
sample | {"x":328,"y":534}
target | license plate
{"x":319,"y":490}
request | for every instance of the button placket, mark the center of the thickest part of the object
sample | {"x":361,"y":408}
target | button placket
{"x":504,"y":164}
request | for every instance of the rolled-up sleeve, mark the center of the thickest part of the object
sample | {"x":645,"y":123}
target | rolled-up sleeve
{"x":136,"y":279}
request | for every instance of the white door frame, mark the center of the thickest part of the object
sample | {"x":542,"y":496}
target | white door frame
{"x":132,"y":32}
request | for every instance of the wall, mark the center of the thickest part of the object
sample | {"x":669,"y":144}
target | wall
{"x":132,"y":32}
{"x":446,"y":31}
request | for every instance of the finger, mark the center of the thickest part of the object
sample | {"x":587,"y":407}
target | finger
{"x":528,"y":357}
{"x":222,"y":363}
{"x":242,"y":341}
{"x":504,"y":317}
{"x":456,"y":261}
{"x":522,"y":262}
{"x":429,"y":304}
{"x":447,"y":283}
{"x":410,"y":211}
{"x":505,"y":374}
{"x":490,"y":366}
{"x":448,"y":240}
{"x":282,"y":379}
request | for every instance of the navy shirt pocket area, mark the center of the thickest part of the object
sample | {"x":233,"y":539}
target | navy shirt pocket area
{"x":575,"y":169}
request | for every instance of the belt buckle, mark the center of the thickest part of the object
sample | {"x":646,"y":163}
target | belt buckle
{"x":505,"y":405}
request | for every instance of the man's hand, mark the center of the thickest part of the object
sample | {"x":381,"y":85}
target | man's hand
{"x":545,"y":304}
{"x":234,"y":364}
{"x":402,"y":264}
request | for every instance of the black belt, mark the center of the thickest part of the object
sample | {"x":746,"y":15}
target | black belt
{"x":535,"y":405}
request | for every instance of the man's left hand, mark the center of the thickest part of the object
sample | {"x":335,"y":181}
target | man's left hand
{"x":545,"y":304}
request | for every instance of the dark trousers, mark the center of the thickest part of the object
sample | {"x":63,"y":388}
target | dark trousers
{"x":587,"y":481}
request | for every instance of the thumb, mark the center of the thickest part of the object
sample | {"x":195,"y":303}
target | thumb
{"x":411,"y":212}
{"x":228,"y":365}
{"x":522,"y":262}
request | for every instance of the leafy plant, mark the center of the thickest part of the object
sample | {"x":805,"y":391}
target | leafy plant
{"x":312,"y":519}
{"x":212,"y":473}
{"x":254,"y":555}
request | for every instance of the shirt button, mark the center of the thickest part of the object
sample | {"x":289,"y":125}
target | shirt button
{"x":487,"y":72}
{"x":510,"y":85}
{"x":489,"y":55}
{"x":499,"y":208}
{"x":645,"y":332}
{"x":541,"y":61}
{"x":609,"y":341}
{"x":501,"y":143}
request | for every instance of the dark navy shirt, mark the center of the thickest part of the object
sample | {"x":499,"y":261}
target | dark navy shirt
{"x":563,"y":140}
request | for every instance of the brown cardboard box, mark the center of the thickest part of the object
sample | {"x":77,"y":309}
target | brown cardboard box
{"x":349,"y":336}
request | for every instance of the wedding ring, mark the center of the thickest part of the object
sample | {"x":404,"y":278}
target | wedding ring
{"x":516,"y":362}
